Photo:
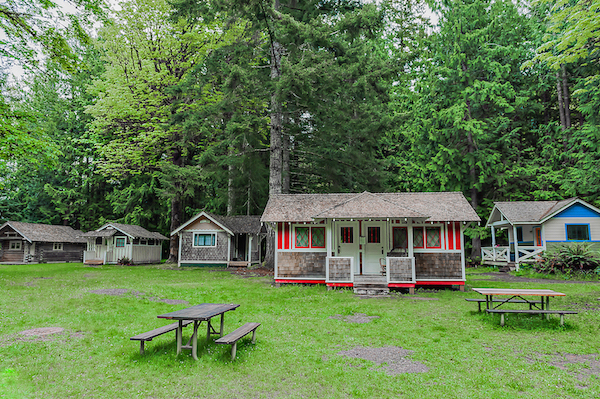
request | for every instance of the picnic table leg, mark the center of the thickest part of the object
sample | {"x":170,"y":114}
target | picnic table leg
{"x":178,"y":333}
{"x":195,"y":340}
{"x":233,"y":349}
{"x":547,"y":307}
{"x":254,"y":336}
{"x":222,"y":323}
{"x":502,"y":319}
{"x":208,"y":331}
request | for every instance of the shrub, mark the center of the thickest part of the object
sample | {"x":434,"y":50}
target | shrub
{"x":124,"y":261}
{"x":577,"y":257}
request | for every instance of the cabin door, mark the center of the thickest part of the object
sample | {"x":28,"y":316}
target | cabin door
{"x":120,"y":250}
{"x":537,"y":234}
{"x":347,"y":241}
{"x":375,"y":244}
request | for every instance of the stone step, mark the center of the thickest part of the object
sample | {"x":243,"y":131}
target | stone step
{"x":371,"y":291}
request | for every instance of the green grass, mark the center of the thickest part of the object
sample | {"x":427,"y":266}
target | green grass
{"x":468,"y":354}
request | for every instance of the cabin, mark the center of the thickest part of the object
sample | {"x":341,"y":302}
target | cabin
{"x":394,"y":240}
{"x":117,"y":242}
{"x":213,"y":240}
{"x":22,"y":243}
{"x":523,"y":230}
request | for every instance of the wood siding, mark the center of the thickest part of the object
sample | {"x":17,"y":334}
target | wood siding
{"x":6,"y":255}
{"x":301,"y":264}
{"x":216,"y":254}
{"x":555,"y":230}
{"x":71,"y":252}
{"x":434,"y":266}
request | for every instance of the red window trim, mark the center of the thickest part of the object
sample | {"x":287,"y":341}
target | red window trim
{"x":324,"y":236}
{"x":296,"y":236}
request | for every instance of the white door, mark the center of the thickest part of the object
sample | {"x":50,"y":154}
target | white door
{"x":120,"y":249}
{"x":375,"y":247}
{"x":347,"y":240}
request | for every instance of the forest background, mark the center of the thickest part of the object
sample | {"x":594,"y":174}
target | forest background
{"x":149,"y":111}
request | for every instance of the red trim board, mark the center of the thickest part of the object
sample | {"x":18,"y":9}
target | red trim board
{"x":443,"y":282}
{"x":301,"y":281}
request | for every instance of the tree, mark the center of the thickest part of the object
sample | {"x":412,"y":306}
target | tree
{"x":147,"y":55}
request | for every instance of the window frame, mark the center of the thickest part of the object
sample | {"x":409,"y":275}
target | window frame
{"x":324,"y":236}
{"x":439,"y":229}
{"x":422,"y":244}
{"x":57,"y":246}
{"x":118,"y":240}
{"x":394,"y":228}
{"x":586,"y":225}
{"x":20,"y":245}
{"x":204,"y":233}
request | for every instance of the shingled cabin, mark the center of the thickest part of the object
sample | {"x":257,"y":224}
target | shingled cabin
{"x":115,"y":242}
{"x":213,"y":240}
{"x":370,"y":241}
{"x":39,"y":243}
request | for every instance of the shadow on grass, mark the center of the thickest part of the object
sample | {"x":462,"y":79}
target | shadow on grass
{"x":529,"y":322}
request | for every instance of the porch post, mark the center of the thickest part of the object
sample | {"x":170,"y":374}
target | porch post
{"x":409,"y":230}
{"x":329,"y":233}
{"x":493,"y":243}
{"x":249,"y":258}
{"x":516,"y":240}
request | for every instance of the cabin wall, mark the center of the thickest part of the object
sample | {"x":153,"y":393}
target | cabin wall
{"x":441,"y":265}
{"x":217,"y":254}
{"x":301,"y":264}
{"x":556,"y":231}
{"x":71,"y":252}
{"x":11,"y":256}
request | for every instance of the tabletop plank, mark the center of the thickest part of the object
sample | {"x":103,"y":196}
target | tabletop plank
{"x":517,"y":291}
{"x":202,"y":312}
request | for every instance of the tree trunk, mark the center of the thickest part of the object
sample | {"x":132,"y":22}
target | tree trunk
{"x":561,"y":107}
{"x":230,"y":188}
{"x":177,"y":160}
{"x":476,"y":240}
{"x":276,"y":160}
{"x":566,"y":99}
{"x":285,"y":172}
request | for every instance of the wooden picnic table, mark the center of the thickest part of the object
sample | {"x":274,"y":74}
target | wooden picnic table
{"x":518,"y":295}
{"x":198,"y":313}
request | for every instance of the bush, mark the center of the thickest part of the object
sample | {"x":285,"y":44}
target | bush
{"x":124,"y":261}
{"x":577,"y":257}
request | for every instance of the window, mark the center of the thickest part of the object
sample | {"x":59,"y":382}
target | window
{"x":302,"y":237}
{"x":58,"y":246}
{"x":15,"y":245}
{"x":433,"y":235}
{"x":400,"y":237}
{"x":519,"y":234}
{"x":578,"y":232}
{"x":347,"y":235}
{"x":418,"y":237}
{"x":143,"y":242}
{"x":205,"y":240}
{"x":317,"y":237}
{"x":98,"y":240}
{"x":120,"y":243}
{"x":373,"y":235}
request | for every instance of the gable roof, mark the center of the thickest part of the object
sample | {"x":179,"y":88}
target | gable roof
{"x":38,"y":232}
{"x":240,"y":224}
{"x":528,"y":212}
{"x":433,"y":206}
{"x":131,"y":230}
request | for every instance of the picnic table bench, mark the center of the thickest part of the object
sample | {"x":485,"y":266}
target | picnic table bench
{"x":481,"y":300}
{"x":562,"y":313}
{"x":150,"y":335}
{"x":239,"y":333}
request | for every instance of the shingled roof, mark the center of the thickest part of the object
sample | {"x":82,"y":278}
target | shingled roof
{"x":241,"y":224}
{"x":131,"y":230}
{"x":530,"y":211}
{"x":37,"y":232}
{"x":434,"y":206}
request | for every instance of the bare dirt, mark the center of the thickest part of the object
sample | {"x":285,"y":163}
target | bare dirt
{"x":392,"y":360}
{"x":123,"y":291}
{"x":355,"y":318}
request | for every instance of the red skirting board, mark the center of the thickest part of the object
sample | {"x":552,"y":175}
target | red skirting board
{"x":443,"y":282}
{"x":300,"y":281}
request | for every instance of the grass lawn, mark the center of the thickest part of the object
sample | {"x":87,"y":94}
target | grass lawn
{"x":297,"y":354}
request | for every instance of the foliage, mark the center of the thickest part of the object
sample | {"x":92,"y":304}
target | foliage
{"x":124,"y":261}
{"x":566,"y":259}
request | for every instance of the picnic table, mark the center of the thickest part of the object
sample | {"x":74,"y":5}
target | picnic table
{"x":521,"y":295}
{"x":198,"y":314}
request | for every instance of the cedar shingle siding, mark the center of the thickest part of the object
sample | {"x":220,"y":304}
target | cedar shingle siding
{"x":301,"y":264}
{"x":216,"y":254}
{"x":438,"y":265}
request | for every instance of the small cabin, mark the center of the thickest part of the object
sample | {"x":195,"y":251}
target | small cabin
{"x":118,"y":242}
{"x":213,"y":240}
{"x":22,"y":243}
{"x":522,"y":230}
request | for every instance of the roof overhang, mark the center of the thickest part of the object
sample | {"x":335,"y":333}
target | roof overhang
{"x":106,"y":226}
{"x":576,"y":201}
{"x":23,"y":236}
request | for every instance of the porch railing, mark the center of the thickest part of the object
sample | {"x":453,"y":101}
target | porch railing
{"x":495,"y":254}
{"x":529,"y":254}
{"x":400,"y":269}
{"x":339,"y":269}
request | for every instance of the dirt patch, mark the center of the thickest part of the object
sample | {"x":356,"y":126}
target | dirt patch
{"x":245,"y":272}
{"x":579,"y":366}
{"x":499,"y":276}
{"x":391,"y":359}
{"x":41,"y":334}
{"x":355,"y":318}
{"x":138,"y":294}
